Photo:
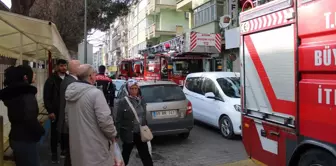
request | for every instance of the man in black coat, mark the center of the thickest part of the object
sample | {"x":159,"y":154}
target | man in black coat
{"x":105,"y":84}
{"x":61,"y":125}
{"x":51,"y":98}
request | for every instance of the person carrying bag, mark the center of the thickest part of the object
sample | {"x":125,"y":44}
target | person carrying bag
{"x":132,"y":126}
{"x":145,"y":133}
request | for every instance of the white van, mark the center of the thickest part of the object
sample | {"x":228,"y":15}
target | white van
{"x":215,"y":99}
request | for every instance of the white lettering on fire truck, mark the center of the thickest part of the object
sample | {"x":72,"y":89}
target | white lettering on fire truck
{"x":324,"y":95}
{"x":324,"y":57}
{"x":328,"y":20}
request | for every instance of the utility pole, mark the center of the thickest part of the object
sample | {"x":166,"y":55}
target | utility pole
{"x":85,"y":31}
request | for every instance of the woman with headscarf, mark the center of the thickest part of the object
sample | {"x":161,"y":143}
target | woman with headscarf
{"x":129,"y":128}
{"x":19,"y":98}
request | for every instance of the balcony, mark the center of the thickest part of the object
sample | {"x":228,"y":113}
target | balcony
{"x":154,"y":6}
{"x":183,"y":5}
{"x":154,"y":31}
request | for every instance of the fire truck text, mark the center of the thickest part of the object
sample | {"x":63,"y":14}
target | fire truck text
{"x":329,"y":21}
{"x":326,"y":57}
{"x":324,"y":95}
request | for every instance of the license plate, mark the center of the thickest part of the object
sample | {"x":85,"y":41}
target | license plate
{"x":164,"y":114}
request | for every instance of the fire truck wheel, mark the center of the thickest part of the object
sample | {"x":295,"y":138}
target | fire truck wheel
{"x":317,"y":157}
{"x":226,"y":128}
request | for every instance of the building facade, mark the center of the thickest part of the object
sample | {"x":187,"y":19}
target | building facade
{"x":153,"y":21}
{"x":98,"y":57}
{"x":204,"y":18}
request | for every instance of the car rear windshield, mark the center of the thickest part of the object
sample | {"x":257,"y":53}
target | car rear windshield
{"x":118,"y":84}
{"x":162,"y":93}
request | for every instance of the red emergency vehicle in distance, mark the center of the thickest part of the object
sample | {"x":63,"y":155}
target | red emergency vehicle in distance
{"x":288,"y":59}
{"x":133,"y":68}
{"x":183,"y":54}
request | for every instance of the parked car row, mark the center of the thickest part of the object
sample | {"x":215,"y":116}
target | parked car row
{"x":210,"y":97}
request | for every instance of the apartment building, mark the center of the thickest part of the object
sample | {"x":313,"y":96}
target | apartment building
{"x":153,"y":21}
{"x":204,"y":17}
{"x":100,"y":57}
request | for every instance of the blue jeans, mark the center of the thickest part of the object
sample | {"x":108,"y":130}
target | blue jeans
{"x":25,"y":153}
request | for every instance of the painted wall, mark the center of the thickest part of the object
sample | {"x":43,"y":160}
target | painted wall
{"x":168,"y":19}
{"x":167,"y":2}
{"x":196,"y":3}
{"x":208,"y":28}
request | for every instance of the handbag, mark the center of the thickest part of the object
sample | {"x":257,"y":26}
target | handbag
{"x":145,"y":133}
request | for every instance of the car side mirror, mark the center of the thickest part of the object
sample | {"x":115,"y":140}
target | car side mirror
{"x":210,"y":95}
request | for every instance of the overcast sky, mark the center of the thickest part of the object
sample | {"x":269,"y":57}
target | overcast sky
{"x":95,"y":39}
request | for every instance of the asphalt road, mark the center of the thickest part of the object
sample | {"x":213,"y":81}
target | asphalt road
{"x":204,"y":147}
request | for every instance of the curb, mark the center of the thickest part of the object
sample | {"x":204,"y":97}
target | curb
{"x":246,"y":162}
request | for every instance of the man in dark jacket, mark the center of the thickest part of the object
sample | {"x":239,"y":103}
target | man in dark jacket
{"x":61,"y":125}
{"x":105,"y":84}
{"x":51,"y":98}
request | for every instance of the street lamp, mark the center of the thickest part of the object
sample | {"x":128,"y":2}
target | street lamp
{"x":85,"y":31}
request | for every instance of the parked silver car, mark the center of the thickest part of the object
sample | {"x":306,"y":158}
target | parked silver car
{"x":168,"y":110}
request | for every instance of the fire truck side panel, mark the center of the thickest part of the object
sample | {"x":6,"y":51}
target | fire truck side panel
{"x":269,"y":71}
{"x":268,"y":88}
{"x":317,"y":65}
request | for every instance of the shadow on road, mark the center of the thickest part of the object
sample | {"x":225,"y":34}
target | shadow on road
{"x":213,"y":129}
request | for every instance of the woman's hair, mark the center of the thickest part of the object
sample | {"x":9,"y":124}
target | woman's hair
{"x":16,"y":75}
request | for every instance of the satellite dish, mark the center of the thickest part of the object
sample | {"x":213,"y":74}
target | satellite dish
{"x":224,"y":21}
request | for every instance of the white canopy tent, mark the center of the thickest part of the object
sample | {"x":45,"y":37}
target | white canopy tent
{"x":26,"y":38}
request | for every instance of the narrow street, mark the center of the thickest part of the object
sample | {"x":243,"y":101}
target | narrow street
{"x":204,"y":147}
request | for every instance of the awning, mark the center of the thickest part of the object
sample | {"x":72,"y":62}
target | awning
{"x":29,"y":37}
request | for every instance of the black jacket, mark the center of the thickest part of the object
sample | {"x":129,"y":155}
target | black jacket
{"x":105,"y":84}
{"x":61,"y":126}
{"x":125,"y":120}
{"x":51,"y":94}
{"x":23,"y":110}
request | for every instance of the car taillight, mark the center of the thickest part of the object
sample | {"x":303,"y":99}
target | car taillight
{"x":189,"y":108}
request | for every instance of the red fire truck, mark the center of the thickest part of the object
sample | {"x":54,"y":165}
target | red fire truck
{"x":134,"y":69}
{"x":182,"y":55}
{"x":288,"y":59}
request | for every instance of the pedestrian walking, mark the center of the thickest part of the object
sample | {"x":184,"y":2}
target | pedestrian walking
{"x":51,"y":98}
{"x":19,"y":98}
{"x":105,"y":84}
{"x":61,"y":126}
{"x":128,"y":126}
{"x":91,"y":127}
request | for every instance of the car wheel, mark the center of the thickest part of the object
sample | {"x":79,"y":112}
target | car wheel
{"x":317,"y":157}
{"x":226,"y":128}
{"x":184,"y":135}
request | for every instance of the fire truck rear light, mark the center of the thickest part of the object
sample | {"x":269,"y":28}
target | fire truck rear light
{"x":246,"y":125}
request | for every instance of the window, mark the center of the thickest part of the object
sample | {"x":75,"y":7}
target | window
{"x":162,"y":93}
{"x":118,"y":84}
{"x":230,"y":86}
{"x":184,"y":67}
{"x":194,"y":84}
{"x":122,"y":92}
{"x":209,"y":86}
{"x":205,"y":14}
